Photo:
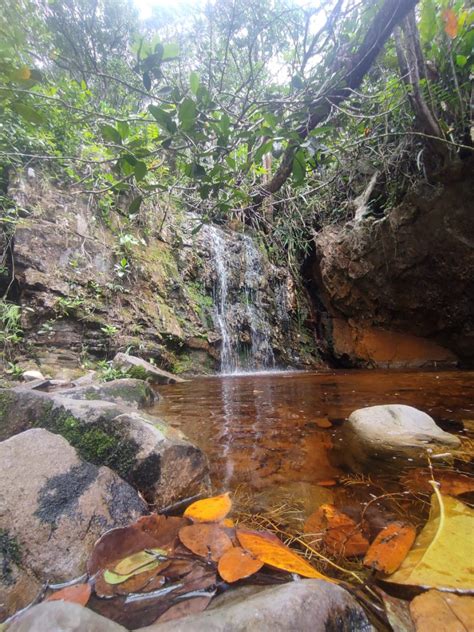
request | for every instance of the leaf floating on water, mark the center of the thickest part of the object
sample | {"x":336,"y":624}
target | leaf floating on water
{"x":390,"y":547}
{"x":277,"y":554}
{"x":339,"y":533}
{"x":205,"y":540}
{"x":185,"y":608}
{"x":443,"y":552}
{"x":434,"y":610}
{"x":79,"y":593}
{"x":212,"y":509}
{"x":237,"y":563}
{"x":138,"y":560}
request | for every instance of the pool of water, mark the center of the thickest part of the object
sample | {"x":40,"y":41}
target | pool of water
{"x":266,"y":430}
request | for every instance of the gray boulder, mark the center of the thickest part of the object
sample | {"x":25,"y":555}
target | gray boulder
{"x":308,"y":605}
{"x":60,"y":616}
{"x":153,"y":457}
{"x":141,"y":369}
{"x":54,"y":506}
{"x":390,"y":432}
{"x":127,"y":391}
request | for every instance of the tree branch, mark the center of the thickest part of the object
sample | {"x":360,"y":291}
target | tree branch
{"x":347,"y":78}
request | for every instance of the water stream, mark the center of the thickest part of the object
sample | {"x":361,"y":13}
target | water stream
{"x":276,"y":433}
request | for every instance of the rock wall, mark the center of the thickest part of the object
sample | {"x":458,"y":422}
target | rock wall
{"x":399,"y":291}
{"x":91,"y":283}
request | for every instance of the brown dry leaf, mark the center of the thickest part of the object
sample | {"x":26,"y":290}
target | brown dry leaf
{"x":435,"y":610}
{"x":268,"y":551}
{"x":205,"y":540}
{"x":212,"y":509}
{"x":140,"y":582}
{"x":329,"y":482}
{"x":450,"y":23}
{"x":79,"y":593}
{"x":390,"y":547}
{"x":323,"y":422}
{"x":148,"y":532}
{"x":237,"y":563}
{"x":450,"y":483}
{"x":185,"y":608}
{"x":339,"y":533}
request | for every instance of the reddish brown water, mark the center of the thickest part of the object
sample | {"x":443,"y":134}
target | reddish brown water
{"x":264,"y":430}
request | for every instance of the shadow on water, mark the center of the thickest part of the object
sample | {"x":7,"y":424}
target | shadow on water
{"x":265,"y":430}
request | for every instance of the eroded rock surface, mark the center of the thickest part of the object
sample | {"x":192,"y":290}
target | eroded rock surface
{"x":59,"y":616}
{"x":391,"y":432}
{"x":303,"y":606}
{"x":54,"y":506}
{"x":128,"y":391}
{"x":144,"y":369}
{"x":153,"y":457}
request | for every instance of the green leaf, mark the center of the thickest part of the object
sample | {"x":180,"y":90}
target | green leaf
{"x":135,"y":205}
{"x":187,"y":114}
{"x":111,"y":134}
{"x":163,"y":118}
{"x":297,"y":82}
{"x":461,"y":60}
{"x":299,"y":167}
{"x":170,"y":51}
{"x":265,"y":148}
{"x":194,"y":82}
{"x":123,"y":129}
{"x":28,"y":113}
{"x":140,"y":170}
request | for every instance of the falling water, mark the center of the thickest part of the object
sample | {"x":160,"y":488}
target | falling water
{"x":238,"y":302}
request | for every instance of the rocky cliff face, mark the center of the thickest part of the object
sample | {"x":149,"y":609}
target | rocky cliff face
{"x":91,"y":283}
{"x":399,"y":291}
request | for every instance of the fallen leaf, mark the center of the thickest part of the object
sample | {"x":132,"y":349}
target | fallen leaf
{"x":450,"y":483}
{"x":212,"y":509}
{"x":339,"y":533}
{"x":434,"y":610}
{"x":450,"y":23}
{"x":443,"y":552}
{"x":322,"y":422}
{"x":206,"y":540}
{"x":329,"y":482}
{"x":135,"y":562}
{"x":185,"y":608}
{"x":276,"y":554}
{"x":143,"y":582}
{"x":237,"y":563}
{"x":79,"y":593}
{"x":397,"y":612}
{"x":114,"y":578}
{"x":390,"y":547}
{"x":148,"y":532}
{"x":228,"y":523}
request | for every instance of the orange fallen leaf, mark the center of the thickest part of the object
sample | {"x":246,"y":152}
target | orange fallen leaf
{"x":237,"y":563}
{"x":435,"y":610}
{"x":212,"y":509}
{"x":339,"y":533}
{"x":329,"y":482}
{"x":228,"y":523}
{"x":276,"y":554}
{"x":450,"y":483}
{"x":205,"y":540}
{"x":79,"y":593}
{"x":323,"y":422}
{"x":450,"y":23}
{"x":390,"y":547}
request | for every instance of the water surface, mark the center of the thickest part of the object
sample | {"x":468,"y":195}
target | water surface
{"x":268,"y":430}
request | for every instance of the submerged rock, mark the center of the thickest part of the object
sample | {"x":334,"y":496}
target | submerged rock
{"x":54,"y":506}
{"x":128,"y":391}
{"x":153,"y":457}
{"x":379,"y":433}
{"x":141,"y":369}
{"x":60,"y":616}
{"x":308,"y":605}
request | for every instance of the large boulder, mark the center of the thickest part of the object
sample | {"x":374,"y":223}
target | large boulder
{"x":54,"y":506}
{"x":127,"y":391}
{"x":383,"y":434}
{"x":308,"y":605}
{"x":60,"y":616}
{"x":141,"y":369}
{"x":153,"y":457}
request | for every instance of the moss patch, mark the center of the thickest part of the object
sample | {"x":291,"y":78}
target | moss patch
{"x":10,"y":555}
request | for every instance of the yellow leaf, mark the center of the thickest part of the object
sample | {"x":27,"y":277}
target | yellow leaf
{"x":450,"y":23}
{"x":269,"y":550}
{"x":114,"y":578}
{"x":136,"y":561}
{"x":209,"y":509}
{"x":443,"y":552}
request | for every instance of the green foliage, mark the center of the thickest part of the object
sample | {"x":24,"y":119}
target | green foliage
{"x":11,"y":331}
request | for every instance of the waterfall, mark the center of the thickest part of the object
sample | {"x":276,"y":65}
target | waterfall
{"x":240,"y":309}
